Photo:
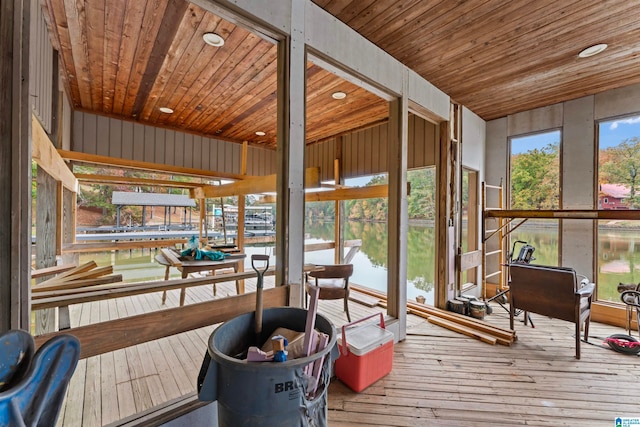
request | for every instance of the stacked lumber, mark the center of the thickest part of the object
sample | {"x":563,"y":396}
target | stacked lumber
{"x":88,"y":274}
{"x":465,"y":325}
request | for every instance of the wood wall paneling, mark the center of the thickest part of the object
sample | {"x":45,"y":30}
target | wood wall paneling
{"x":46,"y":220}
{"x":138,"y":142}
{"x":178,"y":156}
{"x":197,"y":152}
{"x":149,"y":152}
{"x":41,"y":68}
{"x":115,"y":131}
{"x":103,"y":136}
{"x":161,"y":138}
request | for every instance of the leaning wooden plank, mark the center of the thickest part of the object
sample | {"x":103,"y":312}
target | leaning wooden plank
{"x":48,"y":271}
{"x":45,"y":155}
{"x":462,"y":330}
{"x":91,"y":274}
{"x":74,"y":284}
{"x":79,"y":269}
{"x":98,"y":338}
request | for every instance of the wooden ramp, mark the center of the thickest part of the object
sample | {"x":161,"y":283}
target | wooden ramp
{"x":439,"y":377}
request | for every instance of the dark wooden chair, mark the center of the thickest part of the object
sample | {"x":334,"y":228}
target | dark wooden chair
{"x":333,"y":281}
{"x":551,"y":291}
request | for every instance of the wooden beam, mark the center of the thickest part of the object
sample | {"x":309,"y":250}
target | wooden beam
{"x":48,"y":271}
{"x":370,"y":192}
{"x":136,"y":164}
{"x":15,"y":165}
{"x":242,"y":201}
{"x":46,"y":156}
{"x":124,"y":180}
{"x":251,"y":185}
{"x":98,"y":338}
{"x":631,"y":214}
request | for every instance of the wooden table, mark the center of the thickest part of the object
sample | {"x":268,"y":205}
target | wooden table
{"x":169,"y":258}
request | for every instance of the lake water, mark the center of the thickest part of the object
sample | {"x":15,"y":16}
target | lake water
{"x":618,"y":256}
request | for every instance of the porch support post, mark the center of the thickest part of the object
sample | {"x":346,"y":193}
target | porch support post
{"x":15,"y":166}
{"x":291,"y":145}
{"x":445,"y":252}
{"x":398,"y":216}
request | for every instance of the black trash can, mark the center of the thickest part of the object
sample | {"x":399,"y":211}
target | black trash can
{"x":265,"y":393}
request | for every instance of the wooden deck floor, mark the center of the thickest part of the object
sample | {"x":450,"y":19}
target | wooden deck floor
{"x":438,"y":378}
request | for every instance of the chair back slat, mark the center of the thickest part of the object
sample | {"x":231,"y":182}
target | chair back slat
{"x":335,"y":271}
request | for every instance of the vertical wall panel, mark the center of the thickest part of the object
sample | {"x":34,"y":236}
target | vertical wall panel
{"x":197,"y":152}
{"x":188,"y":150}
{"x":138,"y":142}
{"x":102,"y":137}
{"x":89,"y":134}
{"x":115,"y":133}
{"x":77,"y":133}
{"x":366,"y":153}
{"x":40,"y":67}
{"x":169,"y":147}
{"x":149,"y":144}
{"x":179,"y":149}
{"x":219,"y":156}
{"x":206,"y":144}
{"x":161,"y":137}
{"x":127,"y":140}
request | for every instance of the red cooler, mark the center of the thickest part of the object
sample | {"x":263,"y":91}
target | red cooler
{"x":366,"y":353}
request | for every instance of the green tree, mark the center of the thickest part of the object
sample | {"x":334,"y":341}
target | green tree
{"x":535,"y":180}
{"x":622,"y":166}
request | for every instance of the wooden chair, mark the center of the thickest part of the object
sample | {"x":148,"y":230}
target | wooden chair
{"x":333,"y":281}
{"x":551,"y":291}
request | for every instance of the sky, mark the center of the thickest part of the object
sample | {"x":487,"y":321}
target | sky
{"x":611,"y":133}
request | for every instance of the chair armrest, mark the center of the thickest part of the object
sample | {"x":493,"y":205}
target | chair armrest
{"x":587,"y":290}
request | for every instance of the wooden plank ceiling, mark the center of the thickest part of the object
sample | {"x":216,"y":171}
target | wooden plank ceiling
{"x":128,"y":59}
{"x":500,"y":57}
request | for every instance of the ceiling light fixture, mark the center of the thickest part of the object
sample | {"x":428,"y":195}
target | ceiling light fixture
{"x":260,"y":133}
{"x":338,"y":95}
{"x":166,"y":110}
{"x":213,"y":39}
{"x":592,"y":50}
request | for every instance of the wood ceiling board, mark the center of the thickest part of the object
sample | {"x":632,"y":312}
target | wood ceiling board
{"x":560,"y":44}
{"x":180,"y":59}
{"x":477,"y":50}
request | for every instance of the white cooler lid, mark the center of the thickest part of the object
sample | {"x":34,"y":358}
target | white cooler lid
{"x":363,"y":339}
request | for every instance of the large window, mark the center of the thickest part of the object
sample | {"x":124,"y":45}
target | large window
{"x":618,"y":188}
{"x":535,"y":185}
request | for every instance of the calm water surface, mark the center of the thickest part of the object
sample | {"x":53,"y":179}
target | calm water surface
{"x":618,"y":256}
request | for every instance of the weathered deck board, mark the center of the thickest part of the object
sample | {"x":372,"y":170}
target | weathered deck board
{"x":439,"y":377}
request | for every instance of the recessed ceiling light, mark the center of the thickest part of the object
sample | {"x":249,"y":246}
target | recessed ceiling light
{"x":338,"y":95}
{"x":166,"y":110}
{"x":592,"y":50}
{"x":213,"y":39}
{"x":260,"y":133}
